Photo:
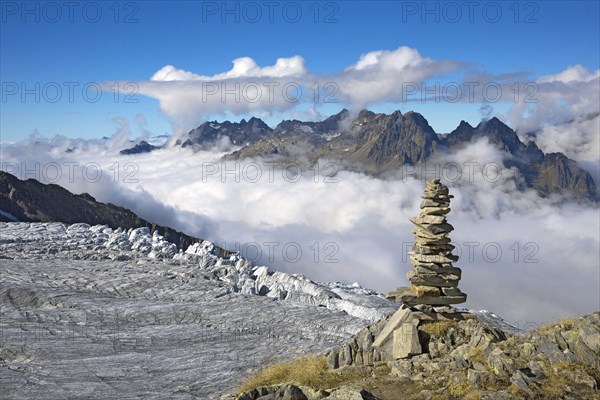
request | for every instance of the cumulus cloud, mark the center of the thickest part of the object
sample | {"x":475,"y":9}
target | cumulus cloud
{"x":575,"y":73}
{"x":243,"y":67}
{"x":382,"y":76}
{"x":523,"y":256}
{"x":246,"y":87}
{"x":555,"y":99}
{"x":187,"y":97}
{"x":578,"y":139}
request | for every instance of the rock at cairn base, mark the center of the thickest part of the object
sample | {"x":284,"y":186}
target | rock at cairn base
{"x":433,"y":279}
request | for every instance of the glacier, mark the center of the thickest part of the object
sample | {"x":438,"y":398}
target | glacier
{"x":94,"y":312}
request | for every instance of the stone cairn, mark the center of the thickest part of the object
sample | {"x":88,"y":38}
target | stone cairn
{"x":433,"y":279}
{"x":433,"y":288}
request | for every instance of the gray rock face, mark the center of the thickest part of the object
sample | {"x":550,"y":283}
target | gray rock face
{"x":91,"y":312}
{"x":209,"y":133}
{"x":359,"y":349}
{"x":141,"y":147}
{"x":433,"y":279}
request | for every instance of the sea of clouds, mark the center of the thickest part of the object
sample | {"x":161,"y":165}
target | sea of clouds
{"x":529,"y":259}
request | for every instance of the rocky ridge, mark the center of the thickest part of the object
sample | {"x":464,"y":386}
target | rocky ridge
{"x":141,"y":147}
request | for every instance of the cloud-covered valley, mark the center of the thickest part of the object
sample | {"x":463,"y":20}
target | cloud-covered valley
{"x":527,"y":258}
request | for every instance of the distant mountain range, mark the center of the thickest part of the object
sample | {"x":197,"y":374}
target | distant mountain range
{"x":378,"y":144}
{"x":141,"y":147}
{"x":32,"y":201}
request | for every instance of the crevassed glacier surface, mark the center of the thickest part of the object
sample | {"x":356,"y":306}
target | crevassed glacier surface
{"x":96,"y":313}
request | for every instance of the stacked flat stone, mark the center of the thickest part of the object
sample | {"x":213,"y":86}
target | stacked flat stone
{"x":433,"y":279}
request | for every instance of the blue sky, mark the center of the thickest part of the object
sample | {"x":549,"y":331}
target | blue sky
{"x":41,"y":44}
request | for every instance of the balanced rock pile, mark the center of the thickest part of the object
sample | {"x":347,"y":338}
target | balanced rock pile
{"x":433,"y":279}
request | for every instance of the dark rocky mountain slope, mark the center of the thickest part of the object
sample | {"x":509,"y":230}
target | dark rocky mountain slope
{"x":32,"y":201}
{"x":141,"y":147}
{"x":547,"y":173}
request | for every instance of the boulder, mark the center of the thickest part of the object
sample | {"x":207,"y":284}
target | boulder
{"x":384,"y":342}
{"x":350,"y":392}
{"x":406,"y":341}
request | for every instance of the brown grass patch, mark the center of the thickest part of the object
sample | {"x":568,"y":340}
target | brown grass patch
{"x":437,"y":328}
{"x":308,"y":371}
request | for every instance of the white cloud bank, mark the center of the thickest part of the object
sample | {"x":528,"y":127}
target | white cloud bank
{"x":188,"y":98}
{"x":244,"y":67}
{"x":380,"y":76}
{"x":532,"y":259}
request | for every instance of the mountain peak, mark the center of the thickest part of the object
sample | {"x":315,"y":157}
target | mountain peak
{"x":464,"y":124}
{"x":339,"y":116}
{"x":365,"y":114}
{"x":492,"y":123}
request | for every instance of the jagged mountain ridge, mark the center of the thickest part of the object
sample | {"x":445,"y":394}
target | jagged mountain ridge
{"x":546,"y":172}
{"x":243,"y":132}
{"x":380,"y":143}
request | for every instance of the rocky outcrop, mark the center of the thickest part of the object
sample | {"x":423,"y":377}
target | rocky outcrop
{"x":359,"y":350}
{"x":390,"y":141}
{"x":434,"y":345}
{"x":470,"y":357}
{"x":294,"y":141}
{"x":239,"y":133}
{"x":293,"y":392}
{"x":559,"y":174}
{"x":546,"y":173}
